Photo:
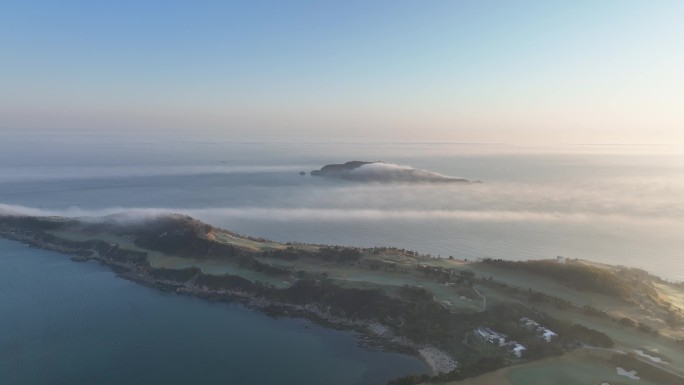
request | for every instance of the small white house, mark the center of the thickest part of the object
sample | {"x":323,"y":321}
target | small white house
{"x":518,"y":350}
{"x":491,"y":336}
{"x":547,"y":335}
{"x":543,"y":333}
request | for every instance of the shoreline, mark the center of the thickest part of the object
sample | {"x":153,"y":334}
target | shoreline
{"x":437,"y":360}
{"x":371,"y":334}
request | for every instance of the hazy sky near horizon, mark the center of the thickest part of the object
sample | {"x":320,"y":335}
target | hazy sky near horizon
{"x":489,"y":71}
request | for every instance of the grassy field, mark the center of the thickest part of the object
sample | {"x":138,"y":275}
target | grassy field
{"x":541,"y":284}
{"x":580,"y":367}
{"x":242,"y":242}
{"x":675,"y":296}
{"x":628,"y":339}
{"x":671,"y":294}
{"x":214,"y":267}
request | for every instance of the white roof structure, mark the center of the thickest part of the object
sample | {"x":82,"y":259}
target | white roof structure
{"x":518,"y":349}
{"x":548,"y":335}
{"x":491,"y":335}
{"x":543,"y":332}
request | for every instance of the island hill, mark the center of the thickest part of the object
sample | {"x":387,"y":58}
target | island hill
{"x":383,"y":172}
{"x":464,"y":318}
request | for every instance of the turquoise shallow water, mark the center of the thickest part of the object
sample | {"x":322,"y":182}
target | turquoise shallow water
{"x":71,"y":323}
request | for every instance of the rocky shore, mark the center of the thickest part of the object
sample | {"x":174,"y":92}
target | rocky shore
{"x":133,"y":265}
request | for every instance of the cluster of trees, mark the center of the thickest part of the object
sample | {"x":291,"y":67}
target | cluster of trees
{"x":178,"y":275}
{"x":586,"y":335}
{"x":539,"y":297}
{"x":185,"y":242}
{"x":379,"y":250}
{"x":327,"y":253}
{"x":413,"y":313}
{"x":215,"y":282}
{"x":338,"y":254}
{"x":249,"y":262}
{"x":32,"y":224}
{"x":415,"y":293}
{"x":440,"y":274}
{"x":105,"y":250}
{"x":642,"y":327}
{"x":570,"y":334}
{"x":443,"y":274}
{"x":288,"y":254}
{"x":229,"y":282}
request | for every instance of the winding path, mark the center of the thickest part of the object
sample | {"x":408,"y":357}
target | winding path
{"x":484,"y":300}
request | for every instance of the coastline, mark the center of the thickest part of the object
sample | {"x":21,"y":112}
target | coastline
{"x":406,"y":318}
{"x":371,"y":334}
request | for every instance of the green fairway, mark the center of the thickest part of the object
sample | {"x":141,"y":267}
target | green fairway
{"x":577,"y":368}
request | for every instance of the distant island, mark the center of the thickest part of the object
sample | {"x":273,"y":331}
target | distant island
{"x":464,"y":318}
{"x":383,"y":172}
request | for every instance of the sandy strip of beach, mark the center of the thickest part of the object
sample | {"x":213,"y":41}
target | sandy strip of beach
{"x":630,"y":374}
{"x":655,"y":359}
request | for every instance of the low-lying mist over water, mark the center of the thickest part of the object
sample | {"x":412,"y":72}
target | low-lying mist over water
{"x":607,"y":204}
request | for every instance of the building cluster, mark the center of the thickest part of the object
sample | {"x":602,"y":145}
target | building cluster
{"x":517,"y":349}
{"x":499,"y":339}
{"x":491,"y":336}
{"x":541,"y":331}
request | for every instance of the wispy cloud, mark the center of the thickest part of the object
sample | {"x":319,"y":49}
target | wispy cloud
{"x":217,"y":215}
{"x":46,"y":173}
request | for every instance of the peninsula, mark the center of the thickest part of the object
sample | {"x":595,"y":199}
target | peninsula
{"x":464,"y":318}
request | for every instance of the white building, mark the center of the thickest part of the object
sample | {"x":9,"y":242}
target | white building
{"x":499,"y":339}
{"x":518,"y":350}
{"x":491,"y":336}
{"x":543,"y":333}
{"x":547,"y":335}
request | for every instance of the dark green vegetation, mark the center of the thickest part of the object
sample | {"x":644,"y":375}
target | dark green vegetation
{"x":416,"y":300}
{"x":630,"y":286}
{"x":577,"y":276}
{"x":473,"y":369}
{"x":336,"y":168}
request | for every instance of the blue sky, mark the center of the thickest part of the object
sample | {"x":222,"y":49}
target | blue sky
{"x":503,"y":71}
